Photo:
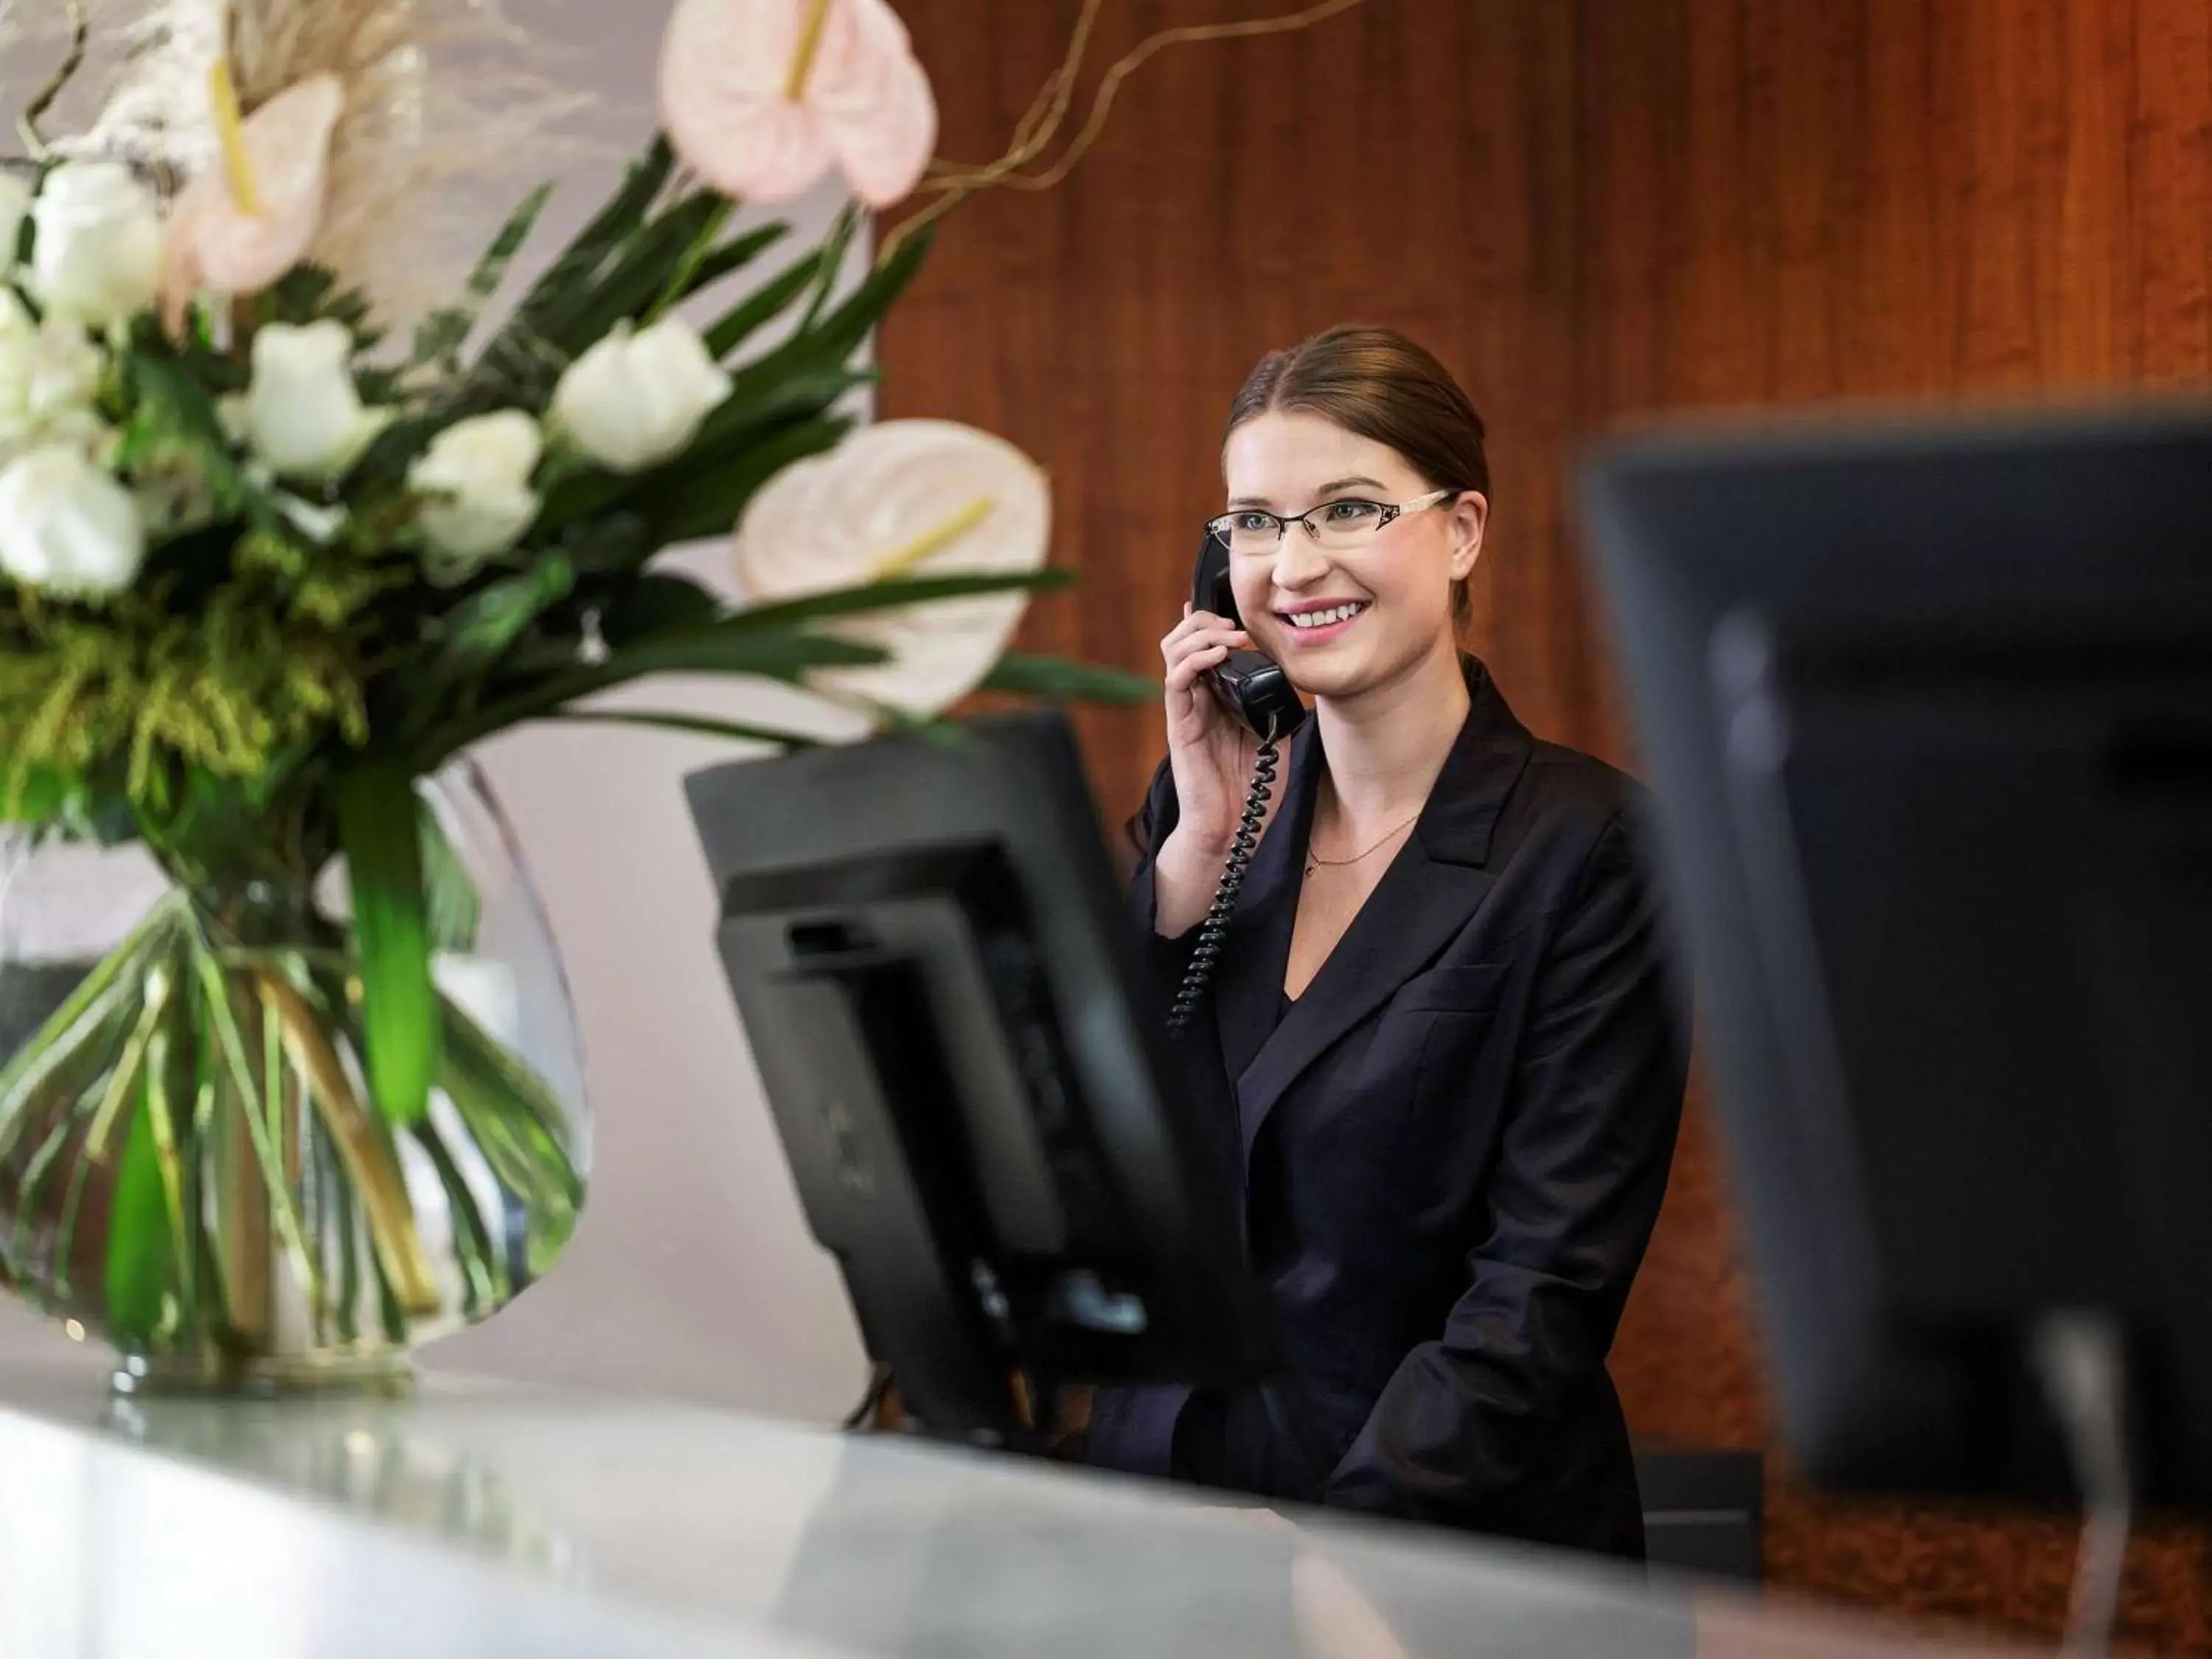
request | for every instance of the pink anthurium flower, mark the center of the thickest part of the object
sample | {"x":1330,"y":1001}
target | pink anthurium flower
{"x":216,"y":240}
{"x":761,"y":98}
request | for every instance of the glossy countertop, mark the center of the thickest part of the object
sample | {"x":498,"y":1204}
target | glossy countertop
{"x":494,"y":1519}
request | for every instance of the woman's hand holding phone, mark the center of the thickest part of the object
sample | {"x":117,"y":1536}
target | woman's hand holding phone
{"x":1211,"y":754}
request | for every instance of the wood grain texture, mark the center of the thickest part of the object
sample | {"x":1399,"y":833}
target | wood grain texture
{"x":1595,"y":212}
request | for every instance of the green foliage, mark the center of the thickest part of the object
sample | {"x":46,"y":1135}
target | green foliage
{"x":762,"y":307}
{"x":141,"y":1260}
{"x":697,"y":725}
{"x":380,"y":831}
{"x":231,"y":690}
{"x":1051,"y":678}
{"x":711,"y":268}
{"x":36,"y":794}
{"x":655,"y":603}
{"x":439,"y":337}
{"x":895,"y":594}
{"x":227,"y":706}
{"x":313,"y":294}
{"x":478,"y":630}
{"x":172,"y":431}
{"x":451,"y":910}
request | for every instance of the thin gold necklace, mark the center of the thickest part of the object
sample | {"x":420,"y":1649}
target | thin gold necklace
{"x":1314,"y":858}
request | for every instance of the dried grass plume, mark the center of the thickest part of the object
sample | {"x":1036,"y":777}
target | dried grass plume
{"x":441,"y":107}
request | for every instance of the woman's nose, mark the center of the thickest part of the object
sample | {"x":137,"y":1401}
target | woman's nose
{"x":1298,"y":562}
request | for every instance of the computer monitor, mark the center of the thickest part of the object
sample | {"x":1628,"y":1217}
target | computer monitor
{"x":1928,"y":709}
{"x":924,"y":942}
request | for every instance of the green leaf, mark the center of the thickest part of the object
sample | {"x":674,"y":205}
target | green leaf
{"x":695,"y":725}
{"x":833,"y":248}
{"x":737,"y":425}
{"x":172,"y":426}
{"x":380,"y":385}
{"x":440,"y":336}
{"x":731,"y":257}
{"x":36,"y":794}
{"x":577,"y":263}
{"x":610,"y":543}
{"x":840,"y":334}
{"x":141,"y":1258}
{"x":777,"y":653}
{"x":893,"y":595}
{"x":452,"y":910}
{"x":736,"y":450}
{"x":717,"y":493}
{"x":656,"y":602}
{"x":520,"y":1128}
{"x":1079,"y":681}
{"x":310,"y":293}
{"x":680,"y":280}
{"x":478,"y":631}
{"x":491,"y":269}
{"x":639,"y":273}
{"x":765,"y":304}
{"x":378,"y":830}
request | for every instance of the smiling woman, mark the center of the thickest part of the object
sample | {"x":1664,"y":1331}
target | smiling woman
{"x":1442,"y":1028}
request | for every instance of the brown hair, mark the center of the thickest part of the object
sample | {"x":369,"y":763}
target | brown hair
{"x":1377,"y":384}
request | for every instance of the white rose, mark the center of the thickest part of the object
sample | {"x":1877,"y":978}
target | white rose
{"x":97,"y":256}
{"x":19,"y":352}
{"x":14,"y":201}
{"x":476,"y":479}
{"x":635,"y":400}
{"x":302,"y":414}
{"x":66,"y":527}
{"x":48,"y":377}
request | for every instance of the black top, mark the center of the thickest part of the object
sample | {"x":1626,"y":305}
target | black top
{"x":1449,"y":1151}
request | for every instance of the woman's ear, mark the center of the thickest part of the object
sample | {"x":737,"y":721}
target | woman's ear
{"x":1469,"y":513}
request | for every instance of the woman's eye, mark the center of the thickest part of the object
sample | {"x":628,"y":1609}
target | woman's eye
{"x":1344,"y":512}
{"x":1257,"y":523}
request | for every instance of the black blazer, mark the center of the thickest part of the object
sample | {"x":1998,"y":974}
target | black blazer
{"x":1448,"y":1152}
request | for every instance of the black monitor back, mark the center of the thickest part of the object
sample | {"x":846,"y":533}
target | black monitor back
{"x":924,"y":937}
{"x":1928,"y":712}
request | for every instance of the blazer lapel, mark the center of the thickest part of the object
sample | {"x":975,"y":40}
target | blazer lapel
{"x":1424,"y":898}
{"x":1247,"y":992}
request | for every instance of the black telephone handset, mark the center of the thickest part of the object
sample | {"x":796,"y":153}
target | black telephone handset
{"x":1253,"y":688}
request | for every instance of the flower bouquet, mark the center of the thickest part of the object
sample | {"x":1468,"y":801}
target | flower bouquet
{"x":268,"y":571}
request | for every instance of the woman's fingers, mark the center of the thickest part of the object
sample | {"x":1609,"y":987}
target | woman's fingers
{"x":1186,"y":669}
{"x":1201,"y":633}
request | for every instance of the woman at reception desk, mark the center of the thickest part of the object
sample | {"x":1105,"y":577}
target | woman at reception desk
{"x":1436,"y":1019}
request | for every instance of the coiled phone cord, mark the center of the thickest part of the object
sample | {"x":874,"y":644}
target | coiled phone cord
{"x":1215,"y":928}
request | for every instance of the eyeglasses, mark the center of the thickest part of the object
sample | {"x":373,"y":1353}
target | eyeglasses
{"x":1339,"y":526}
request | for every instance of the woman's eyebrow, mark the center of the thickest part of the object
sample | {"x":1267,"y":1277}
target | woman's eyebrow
{"x":1328,"y":489}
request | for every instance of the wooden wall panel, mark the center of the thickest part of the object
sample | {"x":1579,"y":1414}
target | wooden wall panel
{"x":1595,"y":211}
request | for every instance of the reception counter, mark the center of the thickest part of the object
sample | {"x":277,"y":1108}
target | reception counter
{"x":490,"y":1519}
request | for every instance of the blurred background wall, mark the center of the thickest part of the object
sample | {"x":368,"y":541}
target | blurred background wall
{"x":1593,"y":210}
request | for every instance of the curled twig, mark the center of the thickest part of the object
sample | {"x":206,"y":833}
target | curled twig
{"x":954,"y":183}
{"x":26,"y":123}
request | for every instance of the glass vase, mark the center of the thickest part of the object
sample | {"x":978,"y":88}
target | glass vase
{"x":193,"y":1165}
